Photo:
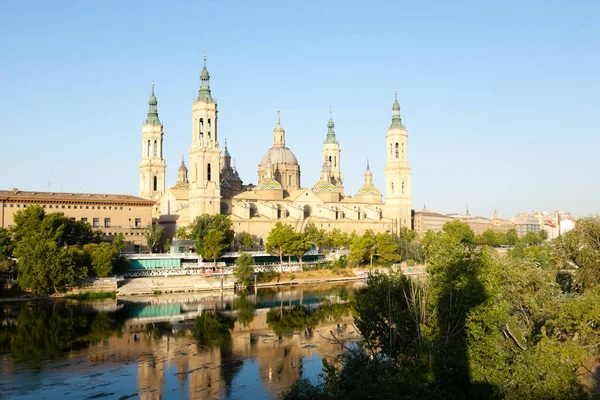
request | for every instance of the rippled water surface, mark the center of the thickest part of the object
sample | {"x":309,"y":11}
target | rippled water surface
{"x":199,"y":346}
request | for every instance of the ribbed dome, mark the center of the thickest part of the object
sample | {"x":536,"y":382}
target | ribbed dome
{"x":279,"y":155}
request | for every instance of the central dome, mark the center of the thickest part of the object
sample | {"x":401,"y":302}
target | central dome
{"x":279,"y":155}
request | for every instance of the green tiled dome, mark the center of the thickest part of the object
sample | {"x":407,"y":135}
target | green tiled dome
{"x":269,"y":184}
{"x":320,"y":187}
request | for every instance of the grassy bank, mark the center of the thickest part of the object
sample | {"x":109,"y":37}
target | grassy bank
{"x":91,"y":296}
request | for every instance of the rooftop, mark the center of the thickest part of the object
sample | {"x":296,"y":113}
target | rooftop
{"x":30,"y":196}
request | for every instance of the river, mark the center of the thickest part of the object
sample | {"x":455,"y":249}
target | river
{"x":197,"y":346}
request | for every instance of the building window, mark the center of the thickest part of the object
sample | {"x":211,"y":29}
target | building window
{"x":83,"y":219}
{"x":397,"y":151}
{"x":148,"y":150}
{"x":335,"y":161}
{"x":50,"y":206}
{"x":289,"y":180}
{"x":402,"y":187}
{"x":155,"y":149}
{"x":62,"y":206}
{"x":155,"y":183}
{"x":208,"y":130}
{"x":96,"y":223}
{"x":120,"y":208}
{"x":107,"y":222}
{"x":200,"y":129}
{"x":11,"y":206}
{"x":18,"y":206}
{"x":73,"y":220}
{"x":104,"y":207}
{"x":208,"y":166}
{"x":69,"y":207}
{"x":138,"y":222}
{"x":402,"y":149}
{"x":392,"y":187}
{"x":110,"y":208}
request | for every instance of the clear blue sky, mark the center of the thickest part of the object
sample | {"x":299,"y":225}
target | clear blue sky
{"x":501,"y":100}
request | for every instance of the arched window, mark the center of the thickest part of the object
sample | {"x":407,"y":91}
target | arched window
{"x":208,"y":131}
{"x":155,"y":183}
{"x":148,"y":150}
{"x":335,"y":161}
{"x":208,"y":172}
{"x":200,"y":128}
{"x":397,"y":151}
{"x":289,"y":180}
{"x":155,"y":149}
{"x":402,"y":187}
{"x":329,"y":158}
{"x":402,"y":149}
{"x":161,"y":146}
{"x":392,"y":187}
{"x":391,"y":150}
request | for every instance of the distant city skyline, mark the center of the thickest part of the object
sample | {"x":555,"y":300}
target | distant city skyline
{"x":500,"y":102}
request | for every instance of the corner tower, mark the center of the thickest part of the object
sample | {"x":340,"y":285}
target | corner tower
{"x":152,"y":165}
{"x":205,"y":192}
{"x":398,"y":200}
{"x":331,"y":153}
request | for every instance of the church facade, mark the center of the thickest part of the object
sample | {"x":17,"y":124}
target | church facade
{"x":213,"y":185}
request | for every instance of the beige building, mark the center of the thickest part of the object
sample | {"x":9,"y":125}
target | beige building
{"x":425,"y":220}
{"x":111,"y":213}
{"x":214,"y":185}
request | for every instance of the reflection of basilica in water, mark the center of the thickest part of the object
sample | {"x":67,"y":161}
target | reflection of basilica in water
{"x":255,"y":363}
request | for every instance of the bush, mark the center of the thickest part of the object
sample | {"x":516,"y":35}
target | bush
{"x":268,"y":276}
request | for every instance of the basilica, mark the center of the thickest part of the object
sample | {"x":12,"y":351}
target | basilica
{"x":212,"y":184}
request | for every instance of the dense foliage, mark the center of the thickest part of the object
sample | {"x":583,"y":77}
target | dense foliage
{"x":244,"y":269}
{"x":54,"y":252}
{"x":477,"y":325}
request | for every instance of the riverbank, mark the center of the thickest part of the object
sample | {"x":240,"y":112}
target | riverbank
{"x":157,"y":285}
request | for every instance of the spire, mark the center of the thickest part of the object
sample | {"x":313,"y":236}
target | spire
{"x":368,"y":168}
{"x":368,"y":175}
{"x":204,"y":92}
{"x":396,"y":120}
{"x":330,"y":129}
{"x":226,"y":152}
{"x":278,"y":132}
{"x":152,"y":109}
{"x":182,"y":166}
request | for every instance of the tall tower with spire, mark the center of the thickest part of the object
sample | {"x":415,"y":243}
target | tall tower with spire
{"x":152,"y":165}
{"x":398,"y":201}
{"x":331,"y":152}
{"x":205,"y":192}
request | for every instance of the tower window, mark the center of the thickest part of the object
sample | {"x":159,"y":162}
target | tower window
{"x":402,"y":187}
{"x":155,"y":149}
{"x":208,"y":171}
{"x":330,"y":159}
{"x":155,"y":183}
{"x":391,"y":150}
{"x":392,"y":187}
{"x":208,"y":132}
{"x":335,"y":161}
{"x":397,"y":152}
{"x":148,"y":150}
{"x":289,"y":180}
{"x":200,"y":128}
{"x":402,"y":149}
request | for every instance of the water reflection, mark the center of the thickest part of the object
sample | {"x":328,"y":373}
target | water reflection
{"x":197,"y":346}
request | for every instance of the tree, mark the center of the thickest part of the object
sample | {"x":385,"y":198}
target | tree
{"x":279,"y":240}
{"x":204,"y":223}
{"x":460,"y":231}
{"x":244,"y":269}
{"x":153,"y":235}
{"x":511,"y":237}
{"x":531,"y":238}
{"x":543,"y":234}
{"x":386,"y":247}
{"x":6,"y":251}
{"x":299,"y":246}
{"x":246,"y":240}
{"x":491,"y":238}
{"x":102,"y":256}
{"x":408,"y":234}
{"x":81,"y":234}
{"x":45,"y":266}
{"x":361,"y":249}
{"x":183,"y":233}
{"x":214,"y":245}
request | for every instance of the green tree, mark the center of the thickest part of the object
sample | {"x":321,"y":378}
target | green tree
{"x":102,"y":257}
{"x":213,"y":329}
{"x":80,"y":234}
{"x":531,"y":238}
{"x":245,"y":309}
{"x":6,"y":251}
{"x":244,"y":268}
{"x":361,"y":250}
{"x":299,"y":246}
{"x":511,"y":237}
{"x":246,"y":240}
{"x":408,"y":234}
{"x":215,"y":244}
{"x":183,"y":233}
{"x":460,"y":231}
{"x":386,"y":247}
{"x":279,"y":240}
{"x":153,"y":234}
{"x":204,"y":223}
{"x":543,"y":234}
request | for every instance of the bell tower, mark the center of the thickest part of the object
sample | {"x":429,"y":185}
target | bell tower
{"x":152,"y":165}
{"x":331,"y":152}
{"x":205,"y":189}
{"x":398,"y":201}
